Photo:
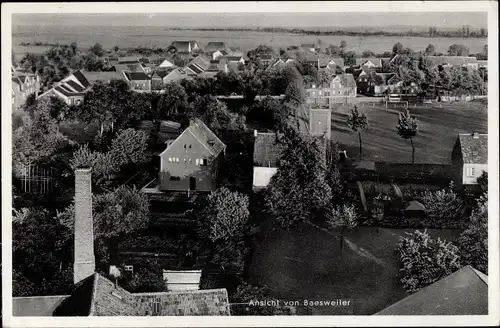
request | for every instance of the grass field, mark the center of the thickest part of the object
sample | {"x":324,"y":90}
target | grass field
{"x":307,"y":263}
{"x":134,"y":36}
{"x":438,"y":131}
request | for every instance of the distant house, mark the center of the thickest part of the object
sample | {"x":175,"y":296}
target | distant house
{"x":219,"y":53}
{"x":464,"y":292}
{"x":186,"y":46}
{"x":268,"y":147}
{"x":214,"y":46}
{"x":166,"y":63}
{"x":105,"y":77}
{"x":161,"y":77}
{"x":469,"y":158}
{"x":197,"y":65}
{"x":129,"y":67}
{"x":369,"y":62}
{"x":138,"y":81}
{"x":340,"y":88}
{"x":372,"y":83}
{"x":278,"y":64}
{"x":71,"y":89}
{"x":457,"y":61}
{"x":266,"y":60}
{"x":23,"y":85}
{"x":482,"y":64}
{"x":191,"y":161}
{"x":232,"y":59}
{"x":310,"y":47}
{"x":323,"y":62}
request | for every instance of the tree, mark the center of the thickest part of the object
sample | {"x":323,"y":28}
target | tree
{"x":407,"y":129}
{"x":349,"y":58}
{"x":38,"y":139}
{"x":225,"y":215}
{"x":443,"y":206}
{"x":145,"y":280}
{"x":129,"y":147}
{"x":483,"y":181}
{"x":103,"y":164}
{"x":357,"y":122}
{"x":397,"y":49}
{"x":41,"y":254}
{"x":367,"y":53}
{"x":343,"y":45}
{"x":424,"y":260}
{"x":295,"y":93}
{"x":458,"y":50}
{"x":343,"y":217}
{"x":298,"y":190}
{"x":473,"y":241}
{"x":97,"y":50}
{"x":117,"y":214}
{"x":430,"y":50}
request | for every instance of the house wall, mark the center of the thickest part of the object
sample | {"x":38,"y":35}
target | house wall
{"x":262,"y":176}
{"x":140,"y":85}
{"x":471,"y":172}
{"x":185,"y":168}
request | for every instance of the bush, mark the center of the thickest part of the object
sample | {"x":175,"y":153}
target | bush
{"x":424,"y":260}
{"x":443,"y":206}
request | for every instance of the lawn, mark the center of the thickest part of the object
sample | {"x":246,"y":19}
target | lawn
{"x":307,"y":263}
{"x":438,"y":130}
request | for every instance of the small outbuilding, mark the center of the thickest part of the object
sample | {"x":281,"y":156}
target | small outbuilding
{"x":415,"y":209}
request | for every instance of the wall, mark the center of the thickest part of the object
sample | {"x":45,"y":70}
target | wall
{"x":479,"y":168}
{"x":185,"y":169}
{"x":262,"y":176}
{"x":140,"y":85}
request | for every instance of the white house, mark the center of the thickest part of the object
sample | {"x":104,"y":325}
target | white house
{"x":470,"y":158}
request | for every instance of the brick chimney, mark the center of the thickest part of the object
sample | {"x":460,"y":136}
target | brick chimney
{"x":84,"y":264}
{"x":475,"y":135}
{"x":320,"y":122}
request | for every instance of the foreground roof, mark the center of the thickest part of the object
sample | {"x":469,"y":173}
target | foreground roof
{"x":98,"y":296}
{"x":474,"y":149}
{"x":464,"y":292}
{"x":36,"y":306}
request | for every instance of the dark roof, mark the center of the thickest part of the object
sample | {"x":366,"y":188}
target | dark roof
{"x":267,"y":149}
{"x":81,"y":78}
{"x":67,"y":93}
{"x":92,"y":77}
{"x":164,"y":71}
{"x":195,"y":68}
{"x":474,"y":150}
{"x":36,"y":306}
{"x":75,"y":86}
{"x":136,"y":76}
{"x":214,"y":46}
{"x":464,"y":292}
{"x":98,"y":296}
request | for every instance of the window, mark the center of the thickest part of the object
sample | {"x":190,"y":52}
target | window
{"x":177,"y":159}
{"x":197,"y":161}
{"x":170,"y":159}
{"x":203,"y":162}
{"x":129,"y":268}
{"x":471,"y":171}
{"x":172,"y":178}
{"x":190,"y":148}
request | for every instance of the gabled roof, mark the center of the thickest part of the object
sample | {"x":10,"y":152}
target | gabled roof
{"x":163,"y":71}
{"x":136,"y":76}
{"x":464,"y":292}
{"x":75,"y":86}
{"x":231,"y":58}
{"x":93,"y":77}
{"x":267,"y":149}
{"x":81,"y":78}
{"x":474,"y":149}
{"x":204,"y":135}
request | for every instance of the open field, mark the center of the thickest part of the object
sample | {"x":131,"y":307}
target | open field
{"x":128,"y":36}
{"x":438,"y":131}
{"x":307,"y":263}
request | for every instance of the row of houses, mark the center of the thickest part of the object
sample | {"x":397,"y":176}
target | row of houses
{"x":24,"y":84}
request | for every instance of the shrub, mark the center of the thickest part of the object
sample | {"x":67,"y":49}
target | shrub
{"x":424,"y":260}
{"x":443,"y":206}
{"x":473,"y":242}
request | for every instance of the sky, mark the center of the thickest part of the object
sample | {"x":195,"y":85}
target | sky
{"x":287,"y":20}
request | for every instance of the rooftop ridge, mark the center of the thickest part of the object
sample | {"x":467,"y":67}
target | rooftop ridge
{"x":199,"y":291}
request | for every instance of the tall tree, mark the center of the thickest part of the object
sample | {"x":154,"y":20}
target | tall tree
{"x":172,"y":102}
{"x":129,"y":147}
{"x":97,"y":49}
{"x":407,"y":129}
{"x":299,"y":190}
{"x":357,"y":122}
{"x":397,"y":49}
